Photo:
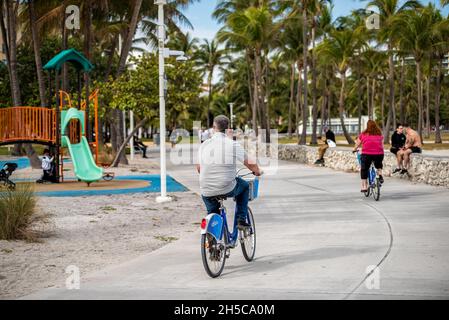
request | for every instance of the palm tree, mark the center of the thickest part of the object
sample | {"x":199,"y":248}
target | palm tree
{"x":320,"y":16}
{"x":440,"y":46}
{"x":339,"y":48}
{"x":388,"y":10}
{"x":183,"y":42}
{"x":292,"y":47}
{"x":209,"y":57}
{"x":10,"y":9}
{"x":255,"y":29}
{"x":37,"y":54}
{"x":414,"y":30}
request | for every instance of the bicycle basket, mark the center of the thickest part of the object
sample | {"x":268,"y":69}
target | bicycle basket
{"x":253,"y":188}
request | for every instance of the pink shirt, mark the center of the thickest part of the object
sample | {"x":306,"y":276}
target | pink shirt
{"x":372,"y":144}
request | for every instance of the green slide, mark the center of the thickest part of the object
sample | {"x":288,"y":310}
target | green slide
{"x":83,"y":162}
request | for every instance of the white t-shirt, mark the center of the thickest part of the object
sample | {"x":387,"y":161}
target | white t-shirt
{"x":204,"y":135}
{"x":46,"y":162}
{"x":218,"y":159}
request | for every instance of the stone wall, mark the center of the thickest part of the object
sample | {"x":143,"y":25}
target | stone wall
{"x":432,"y":170}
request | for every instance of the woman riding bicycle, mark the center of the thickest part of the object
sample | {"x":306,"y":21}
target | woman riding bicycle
{"x":371,"y":141}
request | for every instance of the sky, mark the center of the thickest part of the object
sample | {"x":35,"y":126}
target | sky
{"x":200,"y":15}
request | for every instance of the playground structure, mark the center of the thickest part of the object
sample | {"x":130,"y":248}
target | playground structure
{"x":58,"y":128}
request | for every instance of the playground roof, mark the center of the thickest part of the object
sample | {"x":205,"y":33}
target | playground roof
{"x":70,"y":55}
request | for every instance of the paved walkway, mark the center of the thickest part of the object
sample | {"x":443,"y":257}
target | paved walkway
{"x":316,"y":237}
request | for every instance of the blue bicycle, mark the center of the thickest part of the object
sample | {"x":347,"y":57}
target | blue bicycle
{"x":373,"y":180}
{"x":217,"y":240}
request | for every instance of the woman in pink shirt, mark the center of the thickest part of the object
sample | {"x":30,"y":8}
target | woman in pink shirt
{"x":372,"y":143}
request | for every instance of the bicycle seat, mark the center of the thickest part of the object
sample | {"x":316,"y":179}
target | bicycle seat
{"x":221,"y":198}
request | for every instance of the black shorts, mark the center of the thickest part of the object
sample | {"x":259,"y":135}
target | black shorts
{"x":366,"y":160}
{"x":394,"y":150}
{"x":416,"y":150}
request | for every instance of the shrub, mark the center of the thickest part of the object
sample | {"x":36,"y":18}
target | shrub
{"x":17,"y":212}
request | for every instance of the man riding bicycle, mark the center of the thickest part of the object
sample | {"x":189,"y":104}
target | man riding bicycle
{"x":218,"y":157}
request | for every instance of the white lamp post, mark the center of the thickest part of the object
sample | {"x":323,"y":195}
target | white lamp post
{"x":231,"y":111}
{"x":163,"y":53}
{"x":131,"y":129}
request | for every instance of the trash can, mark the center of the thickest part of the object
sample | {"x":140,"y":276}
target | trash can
{"x":156,"y":139}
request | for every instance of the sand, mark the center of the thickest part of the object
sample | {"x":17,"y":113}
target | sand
{"x":94,"y":232}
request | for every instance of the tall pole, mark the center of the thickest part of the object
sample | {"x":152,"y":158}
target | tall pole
{"x":231,"y":107}
{"x":131,"y":129}
{"x":161,"y":39}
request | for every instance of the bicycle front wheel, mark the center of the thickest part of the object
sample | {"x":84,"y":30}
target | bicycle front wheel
{"x":213,"y":255}
{"x":248,"y":238}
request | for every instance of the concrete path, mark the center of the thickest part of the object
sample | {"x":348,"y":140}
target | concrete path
{"x":316,"y":237}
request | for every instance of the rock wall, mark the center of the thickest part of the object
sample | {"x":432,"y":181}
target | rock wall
{"x":432,"y":170}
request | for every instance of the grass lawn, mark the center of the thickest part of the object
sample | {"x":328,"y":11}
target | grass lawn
{"x":6,"y":150}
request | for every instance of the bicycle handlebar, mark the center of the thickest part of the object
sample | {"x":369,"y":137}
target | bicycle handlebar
{"x":247,"y":174}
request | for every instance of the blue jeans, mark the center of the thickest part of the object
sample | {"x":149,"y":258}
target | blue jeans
{"x":241,"y":195}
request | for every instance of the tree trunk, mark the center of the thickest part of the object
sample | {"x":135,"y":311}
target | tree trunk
{"x":125,"y":142}
{"x":437,"y":102}
{"x":305,"y":94}
{"x":12,"y":36}
{"x":5,"y":37}
{"x":260,"y":91}
{"x":292,"y":93}
{"x":359,"y":100}
{"x":373,"y":97}
{"x":314,"y":90}
{"x":420,"y":97}
{"x":323,"y":107}
{"x":368,"y":99}
{"x":401,"y":95}
{"x":382,"y":104}
{"x":256,"y":103}
{"x":65,"y":40}
{"x":329,"y":106}
{"x":387,"y":126}
{"x":250,"y":86}
{"x":427,"y":135}
{"x":209,"y":100}
{"x":111,"y":58}
{"x":87,"y":28}
{"x":14,"y":77}
{"x":37,"y":54}
{"x":267,"y":93}
{"x":126,"y":47}
{"x":298,"y":103}
{"x":342,"y":107}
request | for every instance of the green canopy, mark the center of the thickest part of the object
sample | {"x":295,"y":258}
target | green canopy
{"x":71,"y":55}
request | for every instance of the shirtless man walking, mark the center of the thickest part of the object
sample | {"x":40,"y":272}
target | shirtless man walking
{"x":413,"y":144}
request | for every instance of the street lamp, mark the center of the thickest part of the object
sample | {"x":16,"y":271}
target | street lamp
{"x":231,"y":111}
{"x":163,"y":53}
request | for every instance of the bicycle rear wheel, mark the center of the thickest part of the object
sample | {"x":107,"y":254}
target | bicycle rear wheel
{"x":376,"y":190}
{"x":248,"y":238}
{"x":213,"y":255}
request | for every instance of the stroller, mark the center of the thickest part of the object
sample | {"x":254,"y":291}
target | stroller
{"x":6,"y":171}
